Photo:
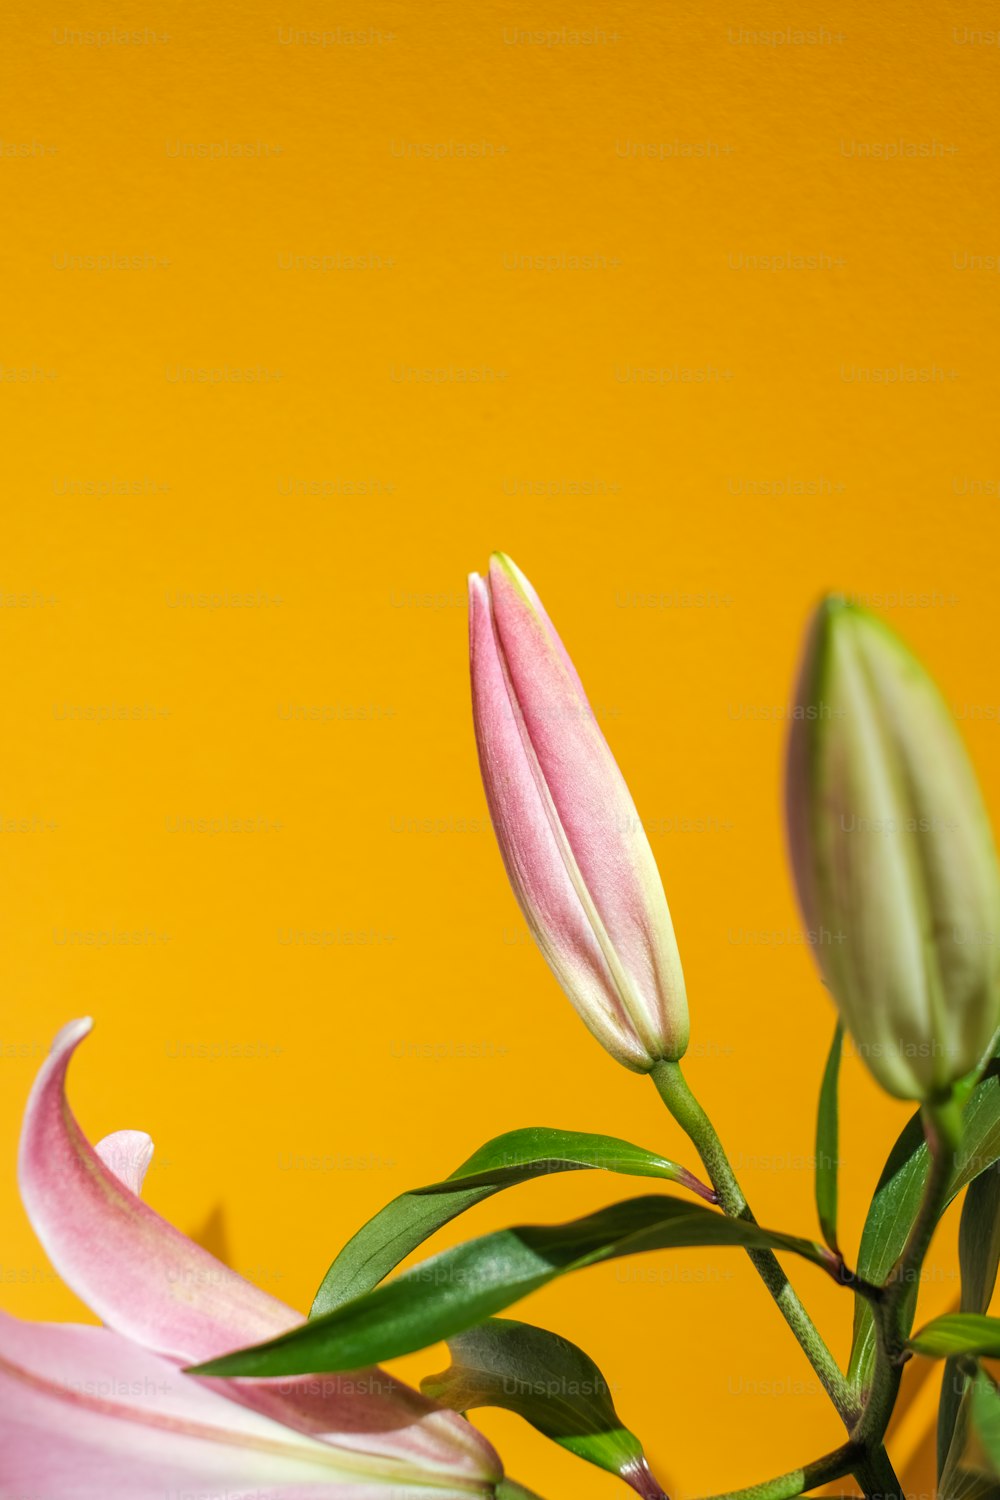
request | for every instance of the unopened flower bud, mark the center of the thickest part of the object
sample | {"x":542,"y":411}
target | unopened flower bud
{"x":575,"y":850}
{"x":893,"y":857}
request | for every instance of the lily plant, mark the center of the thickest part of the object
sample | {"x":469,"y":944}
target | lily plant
{"x":199,"y":1379}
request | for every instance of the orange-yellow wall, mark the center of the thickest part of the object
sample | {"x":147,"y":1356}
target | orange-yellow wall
{"x":650,"y":515}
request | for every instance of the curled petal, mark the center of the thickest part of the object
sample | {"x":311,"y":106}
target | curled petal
{"x":148,"y":1281}
{"x":138,"y":1273}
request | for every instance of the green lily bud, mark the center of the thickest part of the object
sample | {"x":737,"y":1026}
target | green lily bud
{"x":893,"y":857}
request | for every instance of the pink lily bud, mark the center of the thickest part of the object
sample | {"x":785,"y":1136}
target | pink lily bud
{"x":575,"y":851}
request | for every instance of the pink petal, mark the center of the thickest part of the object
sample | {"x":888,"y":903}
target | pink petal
{"x":371,"y":1412}
{"x":507,"y":566}
{"x":148,"y":1281}
{"x":87,"y":1415}
{"x":127,"y":1154}
{"x":138,"y":1273}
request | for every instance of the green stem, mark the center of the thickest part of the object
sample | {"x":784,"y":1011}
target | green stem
{"x":835,"y":1465}
{"x":876,"y":1476}
{"x":677,"y":1096}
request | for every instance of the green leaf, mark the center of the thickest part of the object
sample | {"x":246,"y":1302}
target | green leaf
{"x":508,"y":1489}
{"x":958,"y":1333}
{"x":460,"y":1287}
{"x":387,"y":1239}
{"x":553,"y":1385}
{"x":979,"y":1258}
{"x":897,"y":1199}
{"x":827,"y":1142}
{"x":979,"y":1241}
{"x":966,"y":1474}
{"x":986,"y":1419}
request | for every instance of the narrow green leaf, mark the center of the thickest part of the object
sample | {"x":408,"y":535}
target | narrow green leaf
{"x":828,"y":1142}
{"x":387,"y":1239}
{"x":953,"y":1384}
{"x":552,"y":1384}
{"x":460,"y":1287}
{"x":986,"y":1419}
{"x":897,"y":1199}
{"x":979,"y":1241}
{"x":979,"y":1258}
{"x":509,"y":1489}
{"x":967,"y":1474}
{"x":958,"y":1333}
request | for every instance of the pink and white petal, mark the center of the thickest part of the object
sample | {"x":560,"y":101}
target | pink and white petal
{"x":99,"y":1370}
{"x":538,"y":862}
{"x":148,"y":1281}
{"x":127,"y":1153}
{"x":371,"y":1412}
{"x":138,"y":1273}
{"x":87,"y":1415}
{"x":595,"y":811}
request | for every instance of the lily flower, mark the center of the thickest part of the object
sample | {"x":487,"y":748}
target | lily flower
{"x":573,"y":844}
{"x":90,"y":1413}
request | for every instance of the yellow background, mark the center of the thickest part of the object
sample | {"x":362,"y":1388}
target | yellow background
{"x":649,"y":515}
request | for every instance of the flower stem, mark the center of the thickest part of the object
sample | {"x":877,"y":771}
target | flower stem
{"x":835,"y":1465}
{"x":876,"y":1476}
{"x":682,"y":1104}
